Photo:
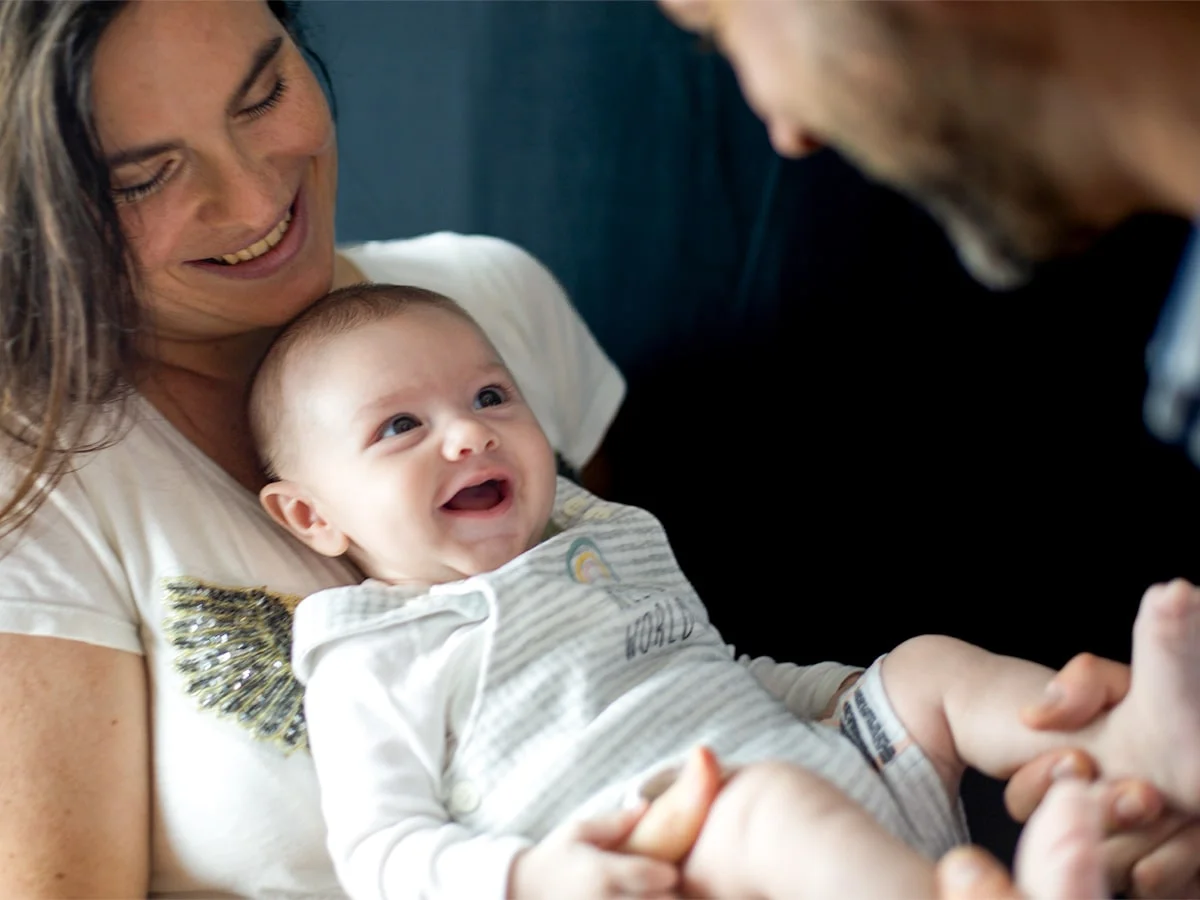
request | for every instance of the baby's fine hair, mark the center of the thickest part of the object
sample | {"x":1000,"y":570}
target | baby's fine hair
{"x":338,"y":312}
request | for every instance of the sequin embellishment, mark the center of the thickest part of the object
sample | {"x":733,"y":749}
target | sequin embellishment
{"x":234,"y":648}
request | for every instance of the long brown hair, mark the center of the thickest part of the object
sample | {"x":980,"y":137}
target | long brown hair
{"x":69,"y":318}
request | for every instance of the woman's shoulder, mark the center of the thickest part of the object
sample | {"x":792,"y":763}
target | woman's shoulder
{"x":110,"y":495}
{"x":144,"y":450}
{"x":492,"y":277}
{"x":141,"y":527}
{"x":442,"y":254}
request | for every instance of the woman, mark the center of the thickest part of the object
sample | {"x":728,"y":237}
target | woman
{"x":169,"y":176}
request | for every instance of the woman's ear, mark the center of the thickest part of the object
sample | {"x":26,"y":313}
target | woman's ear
{"x":288,"y":504}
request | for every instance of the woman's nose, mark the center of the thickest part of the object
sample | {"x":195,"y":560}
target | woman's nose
{"x":244,"y":193}
{"x":466,"y":437}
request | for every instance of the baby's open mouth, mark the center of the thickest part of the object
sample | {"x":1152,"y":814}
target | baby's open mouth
{"x":479,"y":497}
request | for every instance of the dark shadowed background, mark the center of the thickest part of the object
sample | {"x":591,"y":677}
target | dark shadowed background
{"x":848,"y":441}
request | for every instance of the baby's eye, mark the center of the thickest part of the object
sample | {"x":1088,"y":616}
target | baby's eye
{"x":490,"y":396}
{"x":398,"y":425}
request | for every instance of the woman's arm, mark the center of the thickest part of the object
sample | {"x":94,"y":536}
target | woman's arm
{"x":74,"y":770}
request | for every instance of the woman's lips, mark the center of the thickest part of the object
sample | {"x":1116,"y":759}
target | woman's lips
{"x":260,"y":247}
{"x":274,"y":259}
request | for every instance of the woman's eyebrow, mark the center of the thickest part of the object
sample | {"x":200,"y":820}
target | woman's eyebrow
{"x":262,"y":59}
{"x":138,"y":154}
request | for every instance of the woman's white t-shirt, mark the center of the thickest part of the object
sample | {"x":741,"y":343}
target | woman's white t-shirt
{"x":150,"y":548}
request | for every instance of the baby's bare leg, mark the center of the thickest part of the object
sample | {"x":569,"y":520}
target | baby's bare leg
{"x":961,"y":704}
{"x":776,"y":830}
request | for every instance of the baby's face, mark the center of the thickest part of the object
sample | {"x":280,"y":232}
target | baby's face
{"x":415,"y":443}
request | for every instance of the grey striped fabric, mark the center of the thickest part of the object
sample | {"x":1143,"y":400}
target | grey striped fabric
{"x":602,"y":669}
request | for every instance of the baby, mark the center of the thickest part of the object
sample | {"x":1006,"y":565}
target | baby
{"x":524,"y":657}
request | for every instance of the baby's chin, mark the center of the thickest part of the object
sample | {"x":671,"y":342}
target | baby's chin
{"x":445,"y":571}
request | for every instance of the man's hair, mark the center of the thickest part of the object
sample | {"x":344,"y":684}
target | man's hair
{"x":338,"y":312}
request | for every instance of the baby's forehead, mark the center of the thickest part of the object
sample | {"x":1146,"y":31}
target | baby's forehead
{"x":454,"y":325}
{"x":469,"y":350}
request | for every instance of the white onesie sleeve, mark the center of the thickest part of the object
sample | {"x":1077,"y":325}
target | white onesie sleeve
{"x":807,"y":691}
{"x":379,"y":707}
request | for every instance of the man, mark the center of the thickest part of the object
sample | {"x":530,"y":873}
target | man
{"x":1026,"y":130}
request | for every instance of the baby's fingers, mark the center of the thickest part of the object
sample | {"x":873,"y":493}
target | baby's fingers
{"x":637,"y":876}
{"x":608,"y":831}
{"x":675,"y":818}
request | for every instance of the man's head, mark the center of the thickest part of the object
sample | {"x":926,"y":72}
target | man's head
{"x":398,"y":436}
{"x":997,"y":117}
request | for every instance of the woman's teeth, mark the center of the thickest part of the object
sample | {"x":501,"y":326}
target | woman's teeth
{"x":258,"y":248}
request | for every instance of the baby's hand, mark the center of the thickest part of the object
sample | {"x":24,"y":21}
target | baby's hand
{"x":579,"y":861}
{"x":671,"y":825}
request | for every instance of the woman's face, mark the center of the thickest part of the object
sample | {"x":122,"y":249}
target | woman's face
{"x":223,"y":162}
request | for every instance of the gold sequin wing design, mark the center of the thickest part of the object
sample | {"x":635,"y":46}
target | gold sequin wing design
{"x":233,"y":647}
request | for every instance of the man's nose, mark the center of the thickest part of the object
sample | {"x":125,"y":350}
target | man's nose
{"x":791,"y":141}
{"x":694,"y":15}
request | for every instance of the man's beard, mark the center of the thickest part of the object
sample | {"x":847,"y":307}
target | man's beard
{"x":1001,"y":236}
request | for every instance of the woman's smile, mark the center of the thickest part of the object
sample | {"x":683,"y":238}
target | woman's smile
{"x":268,"y":254}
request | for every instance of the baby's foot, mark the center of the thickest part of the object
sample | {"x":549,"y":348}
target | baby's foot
{"x":1155,"y":730}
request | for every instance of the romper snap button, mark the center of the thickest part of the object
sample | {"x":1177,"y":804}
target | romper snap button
{"x":464,"y":798}
{"x":574,"y":506}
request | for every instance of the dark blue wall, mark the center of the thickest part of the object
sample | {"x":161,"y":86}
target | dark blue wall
{"x":587,"y":132}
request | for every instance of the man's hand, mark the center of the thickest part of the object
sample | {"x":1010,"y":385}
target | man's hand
{"x":1149,"y":852}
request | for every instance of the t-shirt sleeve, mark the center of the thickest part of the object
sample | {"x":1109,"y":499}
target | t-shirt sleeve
{"x":579,"y":387}
{"x":570,"y":383}
{"x":60,"y":578}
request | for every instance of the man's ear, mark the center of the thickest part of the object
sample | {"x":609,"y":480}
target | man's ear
{"x":289,"y":505}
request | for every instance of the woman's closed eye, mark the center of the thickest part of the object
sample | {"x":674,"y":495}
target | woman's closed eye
{"x":143,"y":189}
{"x":492,"y":395}
{"x":398,"y":425}
{"x":264,"y":106}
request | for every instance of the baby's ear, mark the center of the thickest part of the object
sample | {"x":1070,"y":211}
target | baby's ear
{"x":289,"y":505}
